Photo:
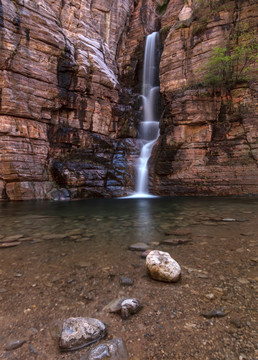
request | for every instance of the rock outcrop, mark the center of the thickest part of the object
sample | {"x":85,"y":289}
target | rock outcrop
{"x":70,"y":78}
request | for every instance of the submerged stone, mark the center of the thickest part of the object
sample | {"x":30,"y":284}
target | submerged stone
{"x":176,"y":241}
{"x":126,"y":281}
{"x":139,"y":246}
{"x":113,"y":350}
{"x":80,"y":332}
{"x":15,"y":344}
{"x":161,"y":266}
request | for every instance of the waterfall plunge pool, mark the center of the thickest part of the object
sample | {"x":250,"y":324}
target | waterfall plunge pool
{"x":71,"y":256}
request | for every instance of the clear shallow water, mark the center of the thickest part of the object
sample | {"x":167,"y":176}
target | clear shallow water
{"x":148,"y":216}
{"x":71,"y":255}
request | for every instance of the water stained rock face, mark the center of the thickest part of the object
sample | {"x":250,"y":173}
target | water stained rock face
{"x":60,"y":98}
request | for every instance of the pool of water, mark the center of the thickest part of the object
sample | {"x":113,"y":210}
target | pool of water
{"x":69,"y":257}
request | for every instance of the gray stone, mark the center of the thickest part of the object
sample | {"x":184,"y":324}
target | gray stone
{"x":161,"y":266}
{"x":14,"y":344}
{"x":113,"y":350}
{"x":126,"y":281}
{"x":80,"y":332}
{"x":139,"y":247}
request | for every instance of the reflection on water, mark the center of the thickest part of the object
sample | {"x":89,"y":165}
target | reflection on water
{"x":143,"y":219}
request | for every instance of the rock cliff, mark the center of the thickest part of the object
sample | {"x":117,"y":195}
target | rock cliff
{"x":70,"y":74}
{"x":208,"y":143}
{"x":59,"y":99}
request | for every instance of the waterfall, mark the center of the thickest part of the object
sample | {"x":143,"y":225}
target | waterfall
{"x":149,"y":127}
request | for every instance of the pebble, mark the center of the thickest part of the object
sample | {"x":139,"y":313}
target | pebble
{"x":126,"y":281}
{"x":114,"y":350}
{"x":114,"y":306}
{"x":80,"y":332}
{"x":161,"y":266}
{"x":129,"y":307}
{"x":124,"y":307}
{"x":139,"y":247}
{"x":215,"y":313}
{"x":210,"y":296}
{"x":14,"y":344}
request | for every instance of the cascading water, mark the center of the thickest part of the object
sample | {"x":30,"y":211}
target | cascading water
{"x":149,"y":127}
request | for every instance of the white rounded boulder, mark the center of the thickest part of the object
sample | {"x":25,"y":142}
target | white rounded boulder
{"x":161,"y":266}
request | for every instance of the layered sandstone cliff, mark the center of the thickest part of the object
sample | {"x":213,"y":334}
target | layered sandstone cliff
{"x":208,"y":143}
{"x":59,"y":99}
{"x":70,"y":78}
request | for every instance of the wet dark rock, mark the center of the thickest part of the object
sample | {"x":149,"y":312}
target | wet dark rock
{"x":126,"y":281}
{"x":80,"y":332}
{"x":139,"y":247}
{"x":62,"y":194}
{"x":145,"y":254}
{"x":113,"y":350}
{"x":215,"y":313}
{"x":14,"y":344}
{"x":161,"y":266}
{"x":178,"y":232}
{"x":176,"y":241}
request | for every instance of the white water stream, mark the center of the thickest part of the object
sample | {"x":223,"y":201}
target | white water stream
{"x":149,"y":127}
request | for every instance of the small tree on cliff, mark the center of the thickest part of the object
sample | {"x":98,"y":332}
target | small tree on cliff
{"x":231,"y":64}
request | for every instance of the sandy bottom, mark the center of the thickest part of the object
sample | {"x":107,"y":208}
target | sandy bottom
{"x":71,"y":257}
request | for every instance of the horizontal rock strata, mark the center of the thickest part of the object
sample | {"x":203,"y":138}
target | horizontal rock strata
{"x":208,"y":142}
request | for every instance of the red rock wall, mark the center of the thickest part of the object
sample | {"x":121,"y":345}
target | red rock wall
{"x":208,"y":143}
{"x":59,"y":96}
{"x":70,"y":77}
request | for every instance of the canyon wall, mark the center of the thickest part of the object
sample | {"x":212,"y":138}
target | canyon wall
{"x":59,"y":99}
{"x":208,"y":143}
{"x":70,"y":78}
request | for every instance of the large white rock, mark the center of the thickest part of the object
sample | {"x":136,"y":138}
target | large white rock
{"x":80,"y":332}
{"x":161,"y":266}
